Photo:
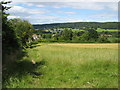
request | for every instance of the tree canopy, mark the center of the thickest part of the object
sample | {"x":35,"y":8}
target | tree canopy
{"x":23,"y":30}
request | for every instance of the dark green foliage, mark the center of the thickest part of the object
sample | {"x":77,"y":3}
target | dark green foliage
{"x":93,"y":34}
{"x":56,"y":37}
{"x":43,"y":35}
{"x":78,"y":25}
{"x":10,"y":43}
{"x":23,"y":30}
{"x":67,"y":34}
{"x":103,"y":40}
{"x":48,"y":36}
{"x":117,"y":34}
{"x":15,"y":35}
{"x":34,"y":42}
{"x":89,"y":35}
{"x":114,"y":39}
{"x":80,"y":33}
{"x":9,"y":39}
{"x":75,"y":39}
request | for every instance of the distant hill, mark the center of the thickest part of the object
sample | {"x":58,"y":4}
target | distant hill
{"x":78,"y":25}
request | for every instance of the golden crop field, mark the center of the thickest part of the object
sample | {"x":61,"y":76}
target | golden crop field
{"x":93,"y":45}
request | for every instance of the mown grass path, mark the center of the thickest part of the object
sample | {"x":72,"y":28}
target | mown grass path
{"x":61,"y":65}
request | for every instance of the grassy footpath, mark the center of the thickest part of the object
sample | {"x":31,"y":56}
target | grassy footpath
{"x":65,"y":66}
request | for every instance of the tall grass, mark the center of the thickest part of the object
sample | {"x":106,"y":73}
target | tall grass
{"x":70,"y":66}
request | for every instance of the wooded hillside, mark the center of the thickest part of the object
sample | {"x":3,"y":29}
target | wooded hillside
{"x":78,"y":25}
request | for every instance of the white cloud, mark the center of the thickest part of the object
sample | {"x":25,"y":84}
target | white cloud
{"x":91,"y":5}
{"x":70,"y":12}
{"x":66,"y":12}
{"x":21,"y":11}
{"x":38,"y":15}
{"x":29,"y":4}
{"x":104,"y":15}
{"x":113,"y":6}
{"x":17,"y":9}
{"x":84,"y":5}
{"x":40,"y":5}
{"x":11,"y":17}
{"x":78,"y":5}
{"x":42,"y":19}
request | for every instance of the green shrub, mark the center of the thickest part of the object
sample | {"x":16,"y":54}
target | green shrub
{"x":103,"y":40}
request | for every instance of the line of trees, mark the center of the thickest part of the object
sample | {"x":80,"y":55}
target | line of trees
{"x":16,"y":33}
{"x":78,"y":25}
{"x":87,"y":36}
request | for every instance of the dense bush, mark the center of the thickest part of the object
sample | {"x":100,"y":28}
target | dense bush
{"x":16,"y":34}
{"x":9,"y":38}
{"x":67,"y":34}
{"x":114,"y":40}
{"x":103,"y":40}
{"x":23,"y":30}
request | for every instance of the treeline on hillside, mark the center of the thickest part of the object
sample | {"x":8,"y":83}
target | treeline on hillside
{"x":16,"y":35}
{"x":86,"y":36}
{"x":78,"y":25}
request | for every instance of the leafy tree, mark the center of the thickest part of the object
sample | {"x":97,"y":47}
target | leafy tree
{"x":10,"y":42}
{"x":23,"y":29}
{"x":43,"y":35}
{"x":80,"y":33}
{"x":67,"y":34}
{"x":103,"y":40}
{"x":9,"y":39}
{"x":89,"y":35}
{"x":93,"y":34}
{"x":48,"y":36}
{"x":85,"y":36}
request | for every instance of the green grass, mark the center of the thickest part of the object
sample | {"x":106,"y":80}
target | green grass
{"x":98,"y":29}
{"x":109,"y":30}
{"x":74,"y":30}
{"x":66,"y":66}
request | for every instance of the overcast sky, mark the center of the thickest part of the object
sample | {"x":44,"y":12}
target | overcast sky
{"x":37,"y":12}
